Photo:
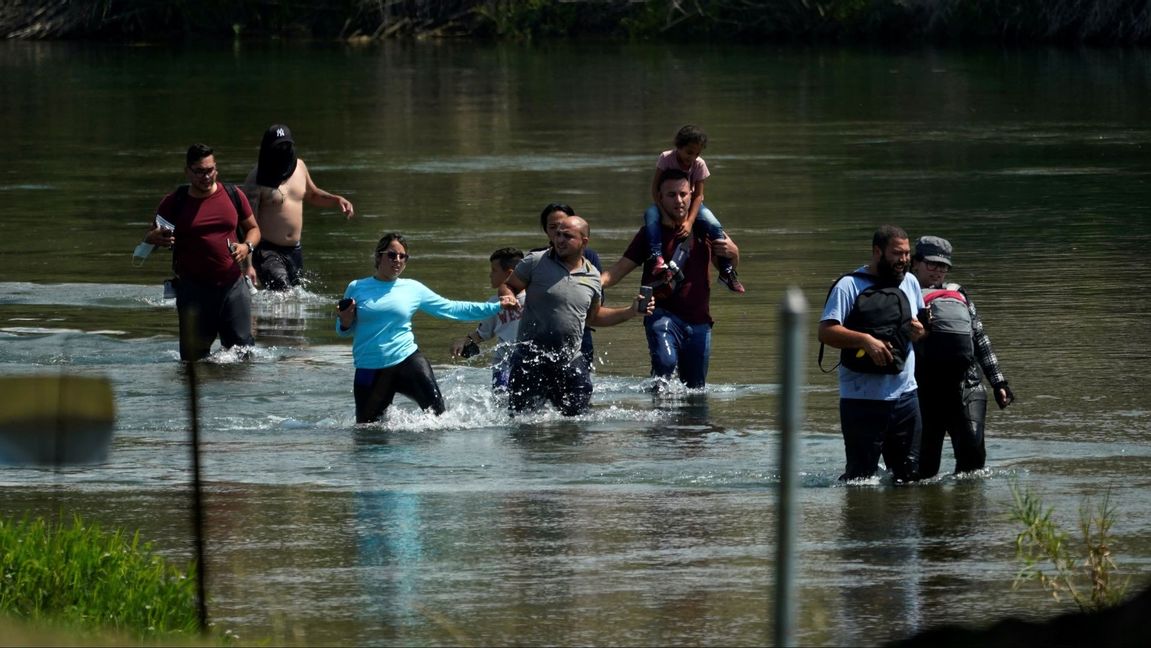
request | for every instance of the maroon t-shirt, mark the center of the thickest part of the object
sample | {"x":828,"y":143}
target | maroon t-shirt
{"x":691,"y":301}
{"x":203,"y":228}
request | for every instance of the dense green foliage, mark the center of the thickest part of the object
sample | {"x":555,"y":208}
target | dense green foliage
{"x":886,"y":21}
{"x":79,"y":576}
{"x":1085,"y":574}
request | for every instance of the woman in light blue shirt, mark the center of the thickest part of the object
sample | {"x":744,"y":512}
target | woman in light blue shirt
{"x":377,"y":313}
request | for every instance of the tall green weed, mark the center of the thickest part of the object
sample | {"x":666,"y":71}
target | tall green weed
{"x":81,"y":576}
{"x":1086,"y":574}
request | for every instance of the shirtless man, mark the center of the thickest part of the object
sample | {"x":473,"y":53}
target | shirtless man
{"x":277,"y":189}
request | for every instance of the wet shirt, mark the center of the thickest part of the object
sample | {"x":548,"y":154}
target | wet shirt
{"x":691,"y":301}
{"x":557,"y":300}
{"x":853,"y":384}
{"x":382,"y":330}
{"x":203,"y":228}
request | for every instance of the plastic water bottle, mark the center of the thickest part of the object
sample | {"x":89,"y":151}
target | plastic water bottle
{"x":141,"y":253}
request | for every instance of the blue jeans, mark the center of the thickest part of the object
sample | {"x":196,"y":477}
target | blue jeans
{"x":891,"y":428}
{"x":678,"y":347}
{"x":705,"y":223}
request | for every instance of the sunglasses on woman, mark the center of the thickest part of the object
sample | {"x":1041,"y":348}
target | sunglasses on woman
{"x":393,"y":255}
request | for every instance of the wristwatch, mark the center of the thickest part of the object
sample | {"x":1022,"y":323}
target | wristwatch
{"x":251,"y":249}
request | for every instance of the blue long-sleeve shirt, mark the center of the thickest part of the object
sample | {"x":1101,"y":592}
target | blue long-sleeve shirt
{"x":382,"y":330}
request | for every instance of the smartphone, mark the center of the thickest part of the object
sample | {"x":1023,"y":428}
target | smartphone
{"x":645,"y":298}
{"x":924,"y":316}
{"x":344,"y":303}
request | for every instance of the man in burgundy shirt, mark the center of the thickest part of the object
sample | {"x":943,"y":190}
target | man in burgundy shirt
{"x":211,"y":298}
{"x":679,"y":331}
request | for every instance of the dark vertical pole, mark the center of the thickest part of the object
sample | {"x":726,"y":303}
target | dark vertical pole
{"x":197,"y":499}
{"x":792,"y":338}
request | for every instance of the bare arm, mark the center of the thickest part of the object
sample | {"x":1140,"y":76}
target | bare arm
{"x":251,"y":236}
{"x":317,"y":197}
{"x":606,"y":316}
{"x":725,"y":248}
{"x":617,"y":272}
{"x":835,"y":334}
{"x":512,"y":287}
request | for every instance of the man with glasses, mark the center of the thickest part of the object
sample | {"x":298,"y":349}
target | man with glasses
{"x":278,"y":188}
{"x":952,"y":399}
{"x":207,"y":252}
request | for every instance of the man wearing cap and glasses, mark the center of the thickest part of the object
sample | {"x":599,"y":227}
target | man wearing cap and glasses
{"x":211,"y":299}
{"x":952,"y":399}
{"x":278,"y":188}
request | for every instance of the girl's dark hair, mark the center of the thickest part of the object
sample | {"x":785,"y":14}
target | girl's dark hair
{"x":691,"y":134}
{"x":197,"y":152}
{"x":551,"y":209}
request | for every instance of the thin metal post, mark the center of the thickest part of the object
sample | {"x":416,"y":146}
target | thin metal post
{"x":197,"y":499}
{"x":793,"y":310}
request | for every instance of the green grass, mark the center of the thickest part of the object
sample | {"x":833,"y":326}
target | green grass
{"x":81,"y":577}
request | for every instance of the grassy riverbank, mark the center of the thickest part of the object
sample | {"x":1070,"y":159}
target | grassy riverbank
{"x":1099,"y":22}
{"x":79,"y":577}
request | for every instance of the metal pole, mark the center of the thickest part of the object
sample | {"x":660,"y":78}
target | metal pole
{"x":197,"y":499}
{"x":792,"y":314}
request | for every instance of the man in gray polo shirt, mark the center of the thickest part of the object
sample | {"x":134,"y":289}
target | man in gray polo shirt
{"x":563,"y":293}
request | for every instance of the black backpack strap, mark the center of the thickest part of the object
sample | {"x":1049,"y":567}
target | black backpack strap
{"x":854,"y":273}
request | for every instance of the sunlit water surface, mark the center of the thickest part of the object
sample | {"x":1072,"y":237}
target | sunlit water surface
{"x":650,"y":520}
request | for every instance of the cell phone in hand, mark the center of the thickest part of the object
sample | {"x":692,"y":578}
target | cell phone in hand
{"x":645,"y":298}
{"x":343,"y":304}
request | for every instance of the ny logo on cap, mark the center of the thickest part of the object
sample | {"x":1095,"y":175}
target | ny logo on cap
{"x":279,"y":132}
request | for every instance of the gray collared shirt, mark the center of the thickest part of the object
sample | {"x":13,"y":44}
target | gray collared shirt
{"x":557,"y":300}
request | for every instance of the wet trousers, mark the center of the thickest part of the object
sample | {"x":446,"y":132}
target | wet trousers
{"x":538,"y":376}
{"x":888,"y":428}
{"x":375,"y":389}
{"x":278,"y":266}
{"x":959,"y":413}
{"x":207,"y":310}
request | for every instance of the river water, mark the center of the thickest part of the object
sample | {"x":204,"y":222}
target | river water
{"x":647,"y":521}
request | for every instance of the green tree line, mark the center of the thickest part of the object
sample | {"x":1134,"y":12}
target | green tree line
{"x":1096,"y":22}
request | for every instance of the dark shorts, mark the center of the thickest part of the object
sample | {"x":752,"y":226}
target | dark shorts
{"x":375,"y":389}
{"x":874,"y":428}
{"x":538,"y":376}
{"x":207,"y":310}
{"x":278,"y":266}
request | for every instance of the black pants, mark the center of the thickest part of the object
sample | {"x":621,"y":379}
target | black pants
{"x":278,"y":266}
{"x":207,"y":310}
{"x":954,"y":411}
{"x":375,"y":389}
{"x":872,"y":428}
{"x":557,"y":377}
